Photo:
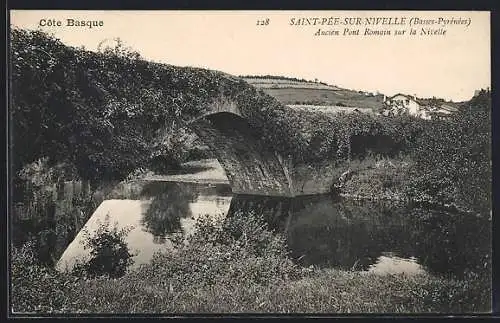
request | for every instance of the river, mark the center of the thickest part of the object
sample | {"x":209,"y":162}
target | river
{"x":379,"y":237}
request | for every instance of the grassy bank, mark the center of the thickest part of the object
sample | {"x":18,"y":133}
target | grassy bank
{"x":239,"y":266}
{"x":378,"y":178}
{"x":325,"y":291}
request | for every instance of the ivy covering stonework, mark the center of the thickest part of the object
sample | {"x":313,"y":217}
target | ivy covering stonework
{"x":104,"y":111}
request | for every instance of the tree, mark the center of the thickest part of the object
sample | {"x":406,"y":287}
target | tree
{"x":453,"y":158}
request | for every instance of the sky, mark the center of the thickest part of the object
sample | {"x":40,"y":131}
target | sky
{"x":449,"y":66}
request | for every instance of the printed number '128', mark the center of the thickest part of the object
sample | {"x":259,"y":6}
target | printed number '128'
{"x":263,"y":22}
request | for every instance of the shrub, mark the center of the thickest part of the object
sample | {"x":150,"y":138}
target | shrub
{"x":36,"y":288}
{"x":109,"y":253}
{"x":240,"y":249}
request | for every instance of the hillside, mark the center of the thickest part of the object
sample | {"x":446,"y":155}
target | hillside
{"x":292,"y":91}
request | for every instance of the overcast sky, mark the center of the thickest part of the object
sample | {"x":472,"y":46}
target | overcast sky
{"x":450,"y":66}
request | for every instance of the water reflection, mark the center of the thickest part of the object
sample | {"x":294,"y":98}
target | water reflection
{"x":390,"y":263}
{"x":170,"y":203}
{"x":446,"y":242}
{"x":367,"y":235}
{"x":382,"y":237}
{"x":154,"y":211}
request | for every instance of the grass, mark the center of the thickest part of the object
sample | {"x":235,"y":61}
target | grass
{"x":238,"y":267}
{"x":378,"y":178}
{"x":325,"y":97}
{"x":323,"y":291}
{"x":299,"y":92}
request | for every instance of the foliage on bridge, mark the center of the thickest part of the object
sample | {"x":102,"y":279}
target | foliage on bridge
{"x":103,"y":111}
{"x":344,"y":136}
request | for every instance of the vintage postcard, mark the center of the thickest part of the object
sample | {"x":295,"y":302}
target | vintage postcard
{"x":260,"y":162}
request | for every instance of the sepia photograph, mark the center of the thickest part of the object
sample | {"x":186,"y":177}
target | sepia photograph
{"x":170,"y":162}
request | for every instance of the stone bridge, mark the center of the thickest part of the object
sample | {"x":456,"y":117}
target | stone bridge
{"x":251,"y":164}
{"x":255,"y":138}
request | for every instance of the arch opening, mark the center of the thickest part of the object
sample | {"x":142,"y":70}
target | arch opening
{"x":251,"y":167}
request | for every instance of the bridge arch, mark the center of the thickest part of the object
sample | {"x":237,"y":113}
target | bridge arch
{"x":251,"y":167}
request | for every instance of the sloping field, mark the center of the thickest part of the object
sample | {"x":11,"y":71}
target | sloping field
{"x":325,"y":97}
{"x":291,"y":92}
{"x":330,"y":108}
{"x":278,"y":84}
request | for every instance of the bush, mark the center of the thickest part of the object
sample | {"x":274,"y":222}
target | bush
{"x":343,"y":136}
{"x":109,"y":253}
{"x":241,"y":249}
{"x":36,"y":288}
{"x":459,"y":170}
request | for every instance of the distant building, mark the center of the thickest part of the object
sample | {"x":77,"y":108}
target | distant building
{"x":442,"y":111}
{"x":401,"y":103}
{"x":422,"y":108}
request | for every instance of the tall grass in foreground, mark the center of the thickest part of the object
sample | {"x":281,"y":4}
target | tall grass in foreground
{"x":238,"y":266}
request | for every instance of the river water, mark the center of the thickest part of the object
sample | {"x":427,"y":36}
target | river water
{"x":379,"y":237}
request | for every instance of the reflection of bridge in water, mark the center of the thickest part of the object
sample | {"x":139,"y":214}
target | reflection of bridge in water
{"x":358,"y":234}
{"x":346,"y":234}
{"x":319,"y":230}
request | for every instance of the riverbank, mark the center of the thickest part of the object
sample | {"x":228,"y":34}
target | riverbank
{"x":241,"y":268}
{"x":376,"y":179}
{"x":322,"y":291}
{"x":389,"y":179}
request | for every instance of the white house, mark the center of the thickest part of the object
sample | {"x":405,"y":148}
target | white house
{"x":402,"y":103}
